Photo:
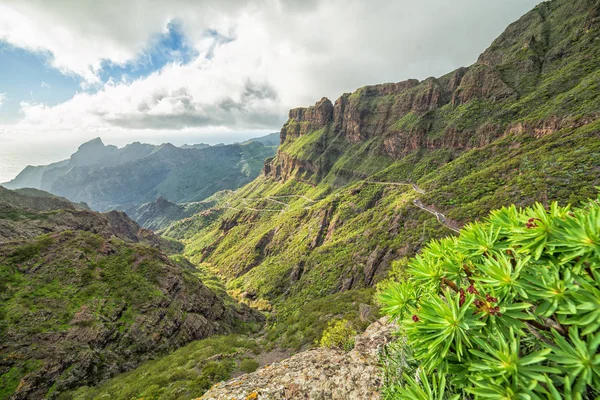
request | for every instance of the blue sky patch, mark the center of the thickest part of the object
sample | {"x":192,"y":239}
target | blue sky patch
{"x":163,"y":49}
{"x":28,"y":76}
{"x":21,"y":76}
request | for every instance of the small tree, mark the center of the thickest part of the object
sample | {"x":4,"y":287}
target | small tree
{"x":510,"y":309}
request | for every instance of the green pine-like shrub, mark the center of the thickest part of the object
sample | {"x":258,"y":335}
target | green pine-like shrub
{"x":510,"y":309}
{"x":338,"y":335}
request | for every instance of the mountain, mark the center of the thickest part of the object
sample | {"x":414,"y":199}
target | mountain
{"x":84,"y":296}
{"x":106,"y":177}
{"x":369,"y":179}
{"x":272,"y":139}
{"x":195,"y":146}
{"x":161,"y":213}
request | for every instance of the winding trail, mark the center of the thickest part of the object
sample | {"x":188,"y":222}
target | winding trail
{"x":442,"y":219}
{"x":248,"y":207}
{"x":418,"y":203}
{"x":269,"y":198}
{"x":292,"y":195}
{"x":415,"y":187}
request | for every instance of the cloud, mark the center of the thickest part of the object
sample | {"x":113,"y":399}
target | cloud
{"x":253,"y":59}
{"x":2,"y":98}
{"x":44,"y":85}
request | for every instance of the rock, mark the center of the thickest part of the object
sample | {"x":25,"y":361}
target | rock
{"x":320,"y":373}
{"x":303,"y":120}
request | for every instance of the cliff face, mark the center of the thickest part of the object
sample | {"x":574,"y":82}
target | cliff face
{"x":519,"y":84}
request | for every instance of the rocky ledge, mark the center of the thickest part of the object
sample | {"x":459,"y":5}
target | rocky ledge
{"x":315,"y":374}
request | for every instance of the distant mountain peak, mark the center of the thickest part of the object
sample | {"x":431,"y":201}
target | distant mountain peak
{"x":96,"y":142}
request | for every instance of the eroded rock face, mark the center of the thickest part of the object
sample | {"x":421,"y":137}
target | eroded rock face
{"x":399,"y":114}
{"x":303,"y":120}
{"x":515,"y":79}
{"x":481,"y":82}
{"x":316,"y":374}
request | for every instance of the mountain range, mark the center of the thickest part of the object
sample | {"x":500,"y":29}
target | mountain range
{"x":108,"y":178}
{"x":370,"y":178}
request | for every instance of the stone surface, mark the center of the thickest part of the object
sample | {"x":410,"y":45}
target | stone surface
{"x":315,"y":374}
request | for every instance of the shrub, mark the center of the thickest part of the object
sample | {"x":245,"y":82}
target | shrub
{"x":338,"y":334}
{"x":248,"y":365}
{"x":510,"y":309}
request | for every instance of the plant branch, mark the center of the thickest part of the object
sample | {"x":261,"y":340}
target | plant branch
{"x":450,"y":284}
{"x":538,"y":335}
{"x":468,"y":273}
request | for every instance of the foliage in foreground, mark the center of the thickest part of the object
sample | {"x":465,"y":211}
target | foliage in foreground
{"x":510,"y":309}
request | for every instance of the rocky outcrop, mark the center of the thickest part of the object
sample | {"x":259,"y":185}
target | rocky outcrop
{"x":518,"y":80}
{"x":481,"y":82}
{"x":304,"y":120}
{"x":374,"y":111}
{"x":400,"y":115}
{"x":320,"y":373}
{"x":284,"y":166}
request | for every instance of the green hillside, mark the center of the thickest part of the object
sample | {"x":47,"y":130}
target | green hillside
{"x":312,"y":235}
{"x":84,"y":296}
{"x":360,"y":186}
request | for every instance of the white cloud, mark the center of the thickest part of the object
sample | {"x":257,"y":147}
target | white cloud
{"x":282,"y":54}
{"x":44,"y":85}
{"x":2,"y":98}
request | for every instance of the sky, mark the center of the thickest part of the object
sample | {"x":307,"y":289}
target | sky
{"x":190,"y":71}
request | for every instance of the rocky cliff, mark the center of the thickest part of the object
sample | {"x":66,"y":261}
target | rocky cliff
{"x":521,"y":82}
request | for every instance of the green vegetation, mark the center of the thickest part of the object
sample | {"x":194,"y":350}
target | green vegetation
{"x":249,"y":365}
{"x":60,"y":293}
{"x":305,"y":254}
{"x":509,"y":309}
{"x":185,"y":374}
{"x":338,"y":334}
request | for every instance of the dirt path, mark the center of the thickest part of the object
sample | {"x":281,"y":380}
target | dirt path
{"x":418,"y":203}
{"x":293,"y":195}
{"x":439,"y":216}
{"x":415,"y":187}
{"x":269,"y":198}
